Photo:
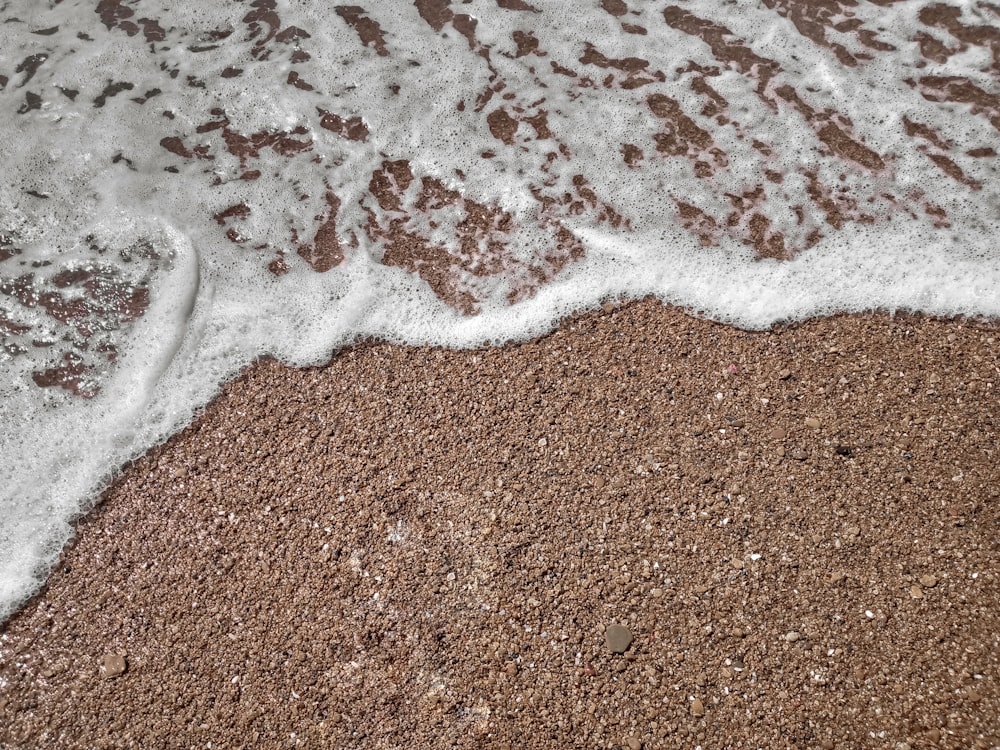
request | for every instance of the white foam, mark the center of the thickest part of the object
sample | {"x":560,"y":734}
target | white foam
{"x":215,"y":306}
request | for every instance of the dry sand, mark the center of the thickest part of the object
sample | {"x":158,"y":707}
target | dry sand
{"x":412,"y":547}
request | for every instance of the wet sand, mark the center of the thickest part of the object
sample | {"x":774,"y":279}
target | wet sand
{"x":798,"y":531}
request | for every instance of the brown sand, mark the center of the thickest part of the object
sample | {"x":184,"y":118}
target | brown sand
{"x":424,"y":548}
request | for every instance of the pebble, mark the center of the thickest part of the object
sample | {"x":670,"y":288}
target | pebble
{"x":928,"y":581}
{"x":792,"y":636}
{"x":784,"y":374}
{"x":916,"y":592}
{"x":112,"y":665}
{"x":812,"y":423}
{"x":633,"y":743}
{"x":799,"y":455}
{"x":618,"y":638}
{"x":697,"y":707}
{"x":778,"y":433}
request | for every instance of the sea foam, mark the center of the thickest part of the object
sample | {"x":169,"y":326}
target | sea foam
{"x":190,"y":188}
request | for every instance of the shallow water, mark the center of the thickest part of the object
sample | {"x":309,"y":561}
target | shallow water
{"x":188,"y":189}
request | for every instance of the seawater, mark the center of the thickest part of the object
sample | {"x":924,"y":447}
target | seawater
{"x":189,"y":186}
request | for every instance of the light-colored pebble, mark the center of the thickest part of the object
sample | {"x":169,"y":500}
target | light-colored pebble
{"x":112,"y":665}
{"x":618,"y":638}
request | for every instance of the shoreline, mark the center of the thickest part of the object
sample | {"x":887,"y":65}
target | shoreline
{"x":368,"y":553}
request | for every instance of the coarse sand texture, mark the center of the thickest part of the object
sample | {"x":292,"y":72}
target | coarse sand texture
{"x":641,"y":531}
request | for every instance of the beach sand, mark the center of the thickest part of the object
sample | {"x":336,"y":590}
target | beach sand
{"x":410,"y":547}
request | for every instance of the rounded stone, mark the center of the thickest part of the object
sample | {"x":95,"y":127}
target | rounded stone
{"x":618,"y":638}
{"x":112,"y":665}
